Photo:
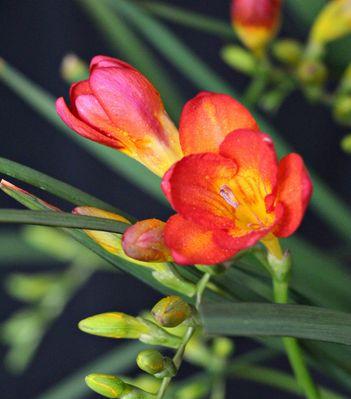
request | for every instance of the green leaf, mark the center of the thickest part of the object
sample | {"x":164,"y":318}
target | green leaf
{"x":194,"y":20}
{"x":54,"y":186}
{"x":61,"y":219}
{"x":259,"y":319}
{"x":118,"y":361}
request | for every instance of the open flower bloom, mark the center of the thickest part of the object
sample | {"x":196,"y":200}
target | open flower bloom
{"x":228,"y":201}
{"x":118,"y":107}
{"x":256,"y":21}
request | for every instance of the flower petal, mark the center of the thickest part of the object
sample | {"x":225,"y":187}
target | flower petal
{"x":194,"y":187}
{"x":81,"y":127}
{"x":294,"y":192}
{"x":254,"y":153}
{"x":191,"y":243}
{"x":144,"y":241}
{"x":208,"y":118}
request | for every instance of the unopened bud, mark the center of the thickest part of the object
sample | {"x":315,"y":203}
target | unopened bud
{"x":312,"y":72}
{"x":171,"y":311}
{"x":342,"y":110}
{"x":154,"y":363}
{"x":256,"y":22}
{"x":333,"y":22}
{"x":346,"y":143}
{"x":239,"y":59}
{"x":120,"y":325}
{"x":345,"y":83}
{"x":73,"y":69}
{"x":223,"y":347}
{"x":288,"y":51}
{"x":113,"y":387}
{"x":193,"y":390}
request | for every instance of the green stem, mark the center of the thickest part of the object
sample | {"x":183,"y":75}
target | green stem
{"x":257,"y":85}
{"x":179,"y":356}
{"x":293,"y":350}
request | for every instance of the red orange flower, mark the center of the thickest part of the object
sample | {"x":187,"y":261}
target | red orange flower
{"x":118,"y":107}
{"x":256,"y":21}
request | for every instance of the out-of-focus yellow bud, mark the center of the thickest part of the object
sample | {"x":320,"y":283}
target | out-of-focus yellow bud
{"x":73,"y":68}
{"x":346,"y":143}
{"x":333,"y":22}
{"x":223,"y":347}
{"x":239,"y":59}
{"x":30,"y":287}
{"x":193,"y":390}
{"x":342,"y":110}
{"x":153,"y":362}
{"x":171,"y":311}
{"x":256,"y":22}
{"x":288,"y":51}
{"x":113,"y":387}
{"x":312,"y":72}
{"x":120,"y":325}
{"x":345,"y":83}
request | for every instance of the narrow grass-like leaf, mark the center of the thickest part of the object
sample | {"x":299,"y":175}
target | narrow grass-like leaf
{"x":331,"y":208}
{"x":61,"y":219}
{"x":194,"y":20}
{"x":53,"y":186}
{"x":124,"y":42}
{"x":259,"y":319}
{"x":119,"y":361}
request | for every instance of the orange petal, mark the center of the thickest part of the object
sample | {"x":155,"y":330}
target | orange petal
{"x":144,"y":241}
{"x":208,"y":118}
{"x":194,"y":186}
{"x":254,"y":153}
{"x":294,"y":192}
{"x":191,"y":243}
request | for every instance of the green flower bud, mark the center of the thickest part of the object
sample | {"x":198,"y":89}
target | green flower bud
{"x":154,"y":363}
{"x":193,"y":390}
{"x":223,"y":347}
{"x":239,"y":59}
{"x":312,"y":72}
{"x":288,"y":51}
{"x":147,"y":383}
{"x":158,"y":336}
{"x":106,"y":385}
{"x":73,"y":69}
{"x":346,"y":143}
{"x":171,"y":311}
{"x":114,"y":325}
{"x":345,"y":83}
{"x":342,"y":110}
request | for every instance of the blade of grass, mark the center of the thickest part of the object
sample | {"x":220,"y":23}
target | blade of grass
{"x":194,"y":20}
{"x":61,"y":219}
{"x":53,"y":186}
{"x":124,"y":42}
{"x":331,"y":208}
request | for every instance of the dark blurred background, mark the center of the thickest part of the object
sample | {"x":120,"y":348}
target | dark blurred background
{"x":34,"y":37}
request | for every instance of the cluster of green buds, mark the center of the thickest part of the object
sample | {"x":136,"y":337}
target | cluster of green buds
{"x":160,"y":327}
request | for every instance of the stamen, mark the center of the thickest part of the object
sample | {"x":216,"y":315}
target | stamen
{"x":227,"y":194}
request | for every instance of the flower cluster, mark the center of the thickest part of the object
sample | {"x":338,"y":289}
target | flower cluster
{"x":220,"y":173}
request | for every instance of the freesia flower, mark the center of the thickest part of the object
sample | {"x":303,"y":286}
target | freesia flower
{"x":256,"y":22}
{"x":118,"y":107}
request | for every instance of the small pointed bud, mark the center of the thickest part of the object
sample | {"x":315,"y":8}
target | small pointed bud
{"x":144,"y":241}
{"x":256,"y":22}
{"x":171,"y":311}
{"x":114,"y":325}
{"x":288,"y":51}
{"x":223,"y":347}
{"x":239,"y":59}
{"x":106,"y":385}
{"x":154,"y":363}
{"x":333,"y":22}
{"x":346,"y":143}
{"x":73,"y":68}
{"x":342,"y":110}
{"x":312,"y":72}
